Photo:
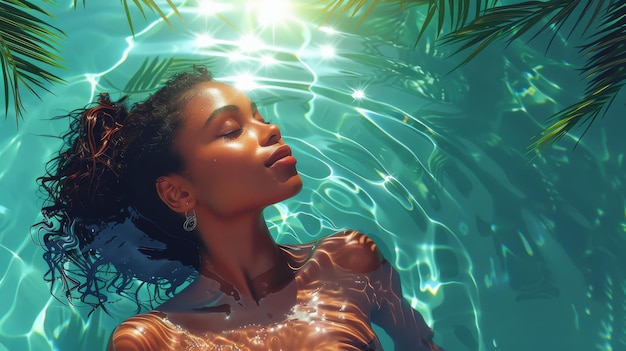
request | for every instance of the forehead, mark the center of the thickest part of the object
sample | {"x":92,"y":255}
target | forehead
{"x":209,"y":96}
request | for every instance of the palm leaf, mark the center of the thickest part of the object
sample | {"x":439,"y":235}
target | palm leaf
{"x":27,"y":45}
{"x":340,"y":7}
{"x":458,"y":15}
{"x":606,"y":71}
{"x":606,"y":62}
{"x":513,"y":21}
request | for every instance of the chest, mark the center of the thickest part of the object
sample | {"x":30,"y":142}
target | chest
{"x":312,"y":313}
{"x":287,"y":335}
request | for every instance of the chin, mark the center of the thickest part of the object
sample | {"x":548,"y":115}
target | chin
{"x":297,"y":183}
{"x":293,"y":187}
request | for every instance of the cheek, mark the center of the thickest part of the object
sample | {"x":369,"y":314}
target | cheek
{"x":225,"y":178}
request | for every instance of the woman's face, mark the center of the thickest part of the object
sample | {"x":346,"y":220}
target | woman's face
{"x":233,"y":159}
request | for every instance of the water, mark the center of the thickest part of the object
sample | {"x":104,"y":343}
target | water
{"x":498,"y":251}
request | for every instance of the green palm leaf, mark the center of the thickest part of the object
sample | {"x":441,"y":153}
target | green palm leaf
{"x":477,"y":24}
{"x":606,"y":62}
{"x":25,"y":39}
{"x":341,"y":7}
{"x":457,"y":15}
{"x":606,"y":71}
{"x":29,"y":47}
{"x":513,"y":21}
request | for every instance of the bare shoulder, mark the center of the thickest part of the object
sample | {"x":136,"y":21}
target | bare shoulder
{"x":352,"y":251}
{"x":147,"y":331}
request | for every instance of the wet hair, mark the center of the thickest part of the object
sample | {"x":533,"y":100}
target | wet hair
{"x":104,"y":228}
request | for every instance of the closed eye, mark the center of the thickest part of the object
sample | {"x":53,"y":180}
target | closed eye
{"x":233,"y":134}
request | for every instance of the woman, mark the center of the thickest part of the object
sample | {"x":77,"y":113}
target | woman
{"x":199,"y":161}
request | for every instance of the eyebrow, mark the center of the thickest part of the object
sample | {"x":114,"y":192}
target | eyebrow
{"x":227,"y":108}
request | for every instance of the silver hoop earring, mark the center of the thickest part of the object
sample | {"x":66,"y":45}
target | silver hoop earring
{"x":190,"y":221}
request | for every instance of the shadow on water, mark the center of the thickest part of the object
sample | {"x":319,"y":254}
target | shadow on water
{"x":496,"y":249}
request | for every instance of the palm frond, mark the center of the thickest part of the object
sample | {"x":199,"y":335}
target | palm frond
{"x":605,"y":68}
{"x":341,"y":7}
{"x":457,"y":15}
{"x":28,"y":45}
{"x":149,"y":4}
{"x":606,"y":71}
{"x":513,"y":21}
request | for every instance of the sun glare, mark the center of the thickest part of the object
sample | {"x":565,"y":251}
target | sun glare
{"x":358,"y":94}
{"x":204,"y":40}
{"x":327,"y":51}
{"x":268,"y":60}
{"x":271,"y":12}
{"x":328,"y":30}
{"x":250,"y":43}
{"x":210,"y":7}
{"x":245,"y":81}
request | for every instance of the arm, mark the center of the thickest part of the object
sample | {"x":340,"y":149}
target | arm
{"x":392,"y":312}
{"x":357,"y":253}
{"x":146,"y":332}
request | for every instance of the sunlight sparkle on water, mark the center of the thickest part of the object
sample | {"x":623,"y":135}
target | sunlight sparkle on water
{"x":204,"y":40}
{"x":250,"y":43}
{"x":430,"y":286}
{"x":328,"y":30}
{"x":327,"y":51}
{"x":358,"y":94}
{"x":209,"y":7}
{"x":245,"y":81}
{"x":268,"y":60}
{"x":236,"y":56}
{"x":271,"y":12}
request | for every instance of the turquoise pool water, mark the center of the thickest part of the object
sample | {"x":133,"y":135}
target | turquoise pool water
{"x":498,"y":251}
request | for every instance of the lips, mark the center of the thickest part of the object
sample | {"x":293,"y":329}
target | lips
{"x":280,"y":153}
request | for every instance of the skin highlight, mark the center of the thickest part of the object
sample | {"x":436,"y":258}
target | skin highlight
{"x":227,"y":183}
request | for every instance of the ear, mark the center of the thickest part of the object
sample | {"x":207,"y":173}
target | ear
{"x":174,"y":192}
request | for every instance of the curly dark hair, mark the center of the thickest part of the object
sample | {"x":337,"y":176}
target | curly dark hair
{"x":104,"y":228}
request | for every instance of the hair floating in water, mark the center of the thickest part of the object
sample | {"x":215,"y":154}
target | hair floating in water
{"x":105,"y":230}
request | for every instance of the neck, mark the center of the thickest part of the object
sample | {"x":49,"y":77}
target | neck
{"x":242,"y":256}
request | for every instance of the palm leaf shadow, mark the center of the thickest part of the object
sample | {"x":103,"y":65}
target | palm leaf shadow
{"x":29,"y":47}
{"x":606,"y":71}
{"x":153,"y":73}
{"x":443,"y":11}
{"x":605,"y":64}
{"x":478,"y":24}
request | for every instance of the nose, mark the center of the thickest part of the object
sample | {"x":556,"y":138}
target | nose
{"x":270,"y":134}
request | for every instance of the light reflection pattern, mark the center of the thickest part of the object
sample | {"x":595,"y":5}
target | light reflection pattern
{"x":337,"y":281}
{"x":425,"y":162}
